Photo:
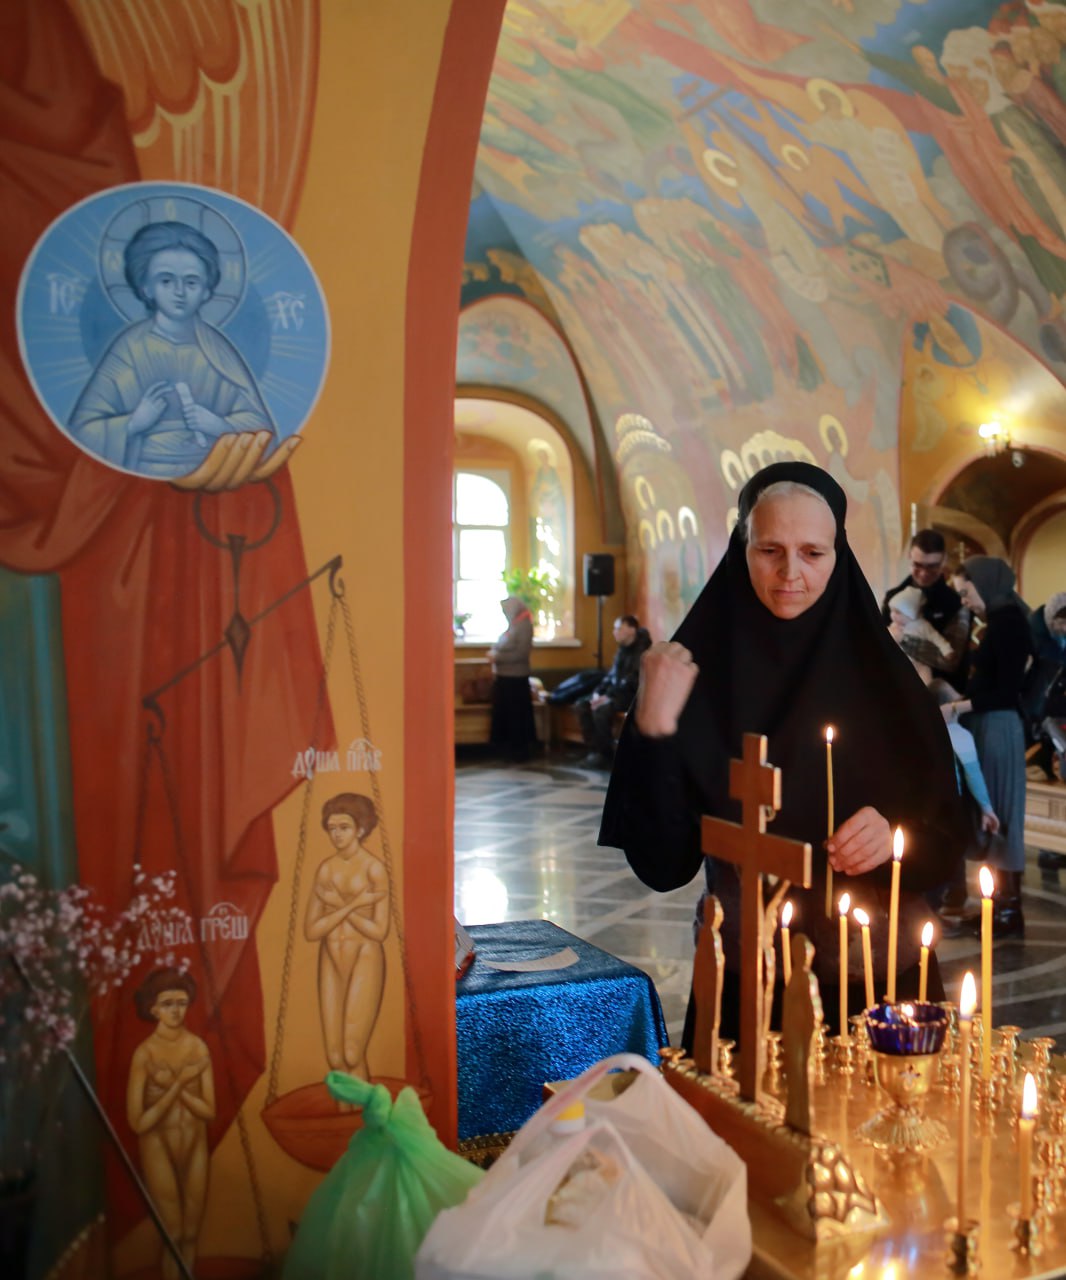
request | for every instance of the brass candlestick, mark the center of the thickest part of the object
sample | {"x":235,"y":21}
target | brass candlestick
{"x":1027,"y":1236}
{"x":950,"y":1072}
{"x":861,"y":1049}
{"x":843,"y":1055}
{"x":963,"y":1258}
{"x":821,"y":1054}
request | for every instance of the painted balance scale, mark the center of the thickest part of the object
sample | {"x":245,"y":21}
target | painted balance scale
{"x":306,"y":1122}
{"x":860,"y":1150}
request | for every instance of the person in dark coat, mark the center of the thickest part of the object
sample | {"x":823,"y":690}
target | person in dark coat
{"x":614,"y":693}
{"x":991,"y":712}
{"x":941,"y":607}
{"x":1048,"y":626}
{"x":785,"y":639}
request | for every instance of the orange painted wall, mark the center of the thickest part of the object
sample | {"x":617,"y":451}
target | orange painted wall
{"x":378,"y":204}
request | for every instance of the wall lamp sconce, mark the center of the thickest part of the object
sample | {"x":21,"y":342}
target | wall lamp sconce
{"x":996,"y":437}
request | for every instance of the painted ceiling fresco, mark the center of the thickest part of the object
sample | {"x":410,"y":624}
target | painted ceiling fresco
{"x":743,"y":213}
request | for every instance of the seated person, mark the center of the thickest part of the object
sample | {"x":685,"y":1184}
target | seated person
{"x":614,"y":693}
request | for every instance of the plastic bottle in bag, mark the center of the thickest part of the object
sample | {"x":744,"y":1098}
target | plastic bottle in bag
{"x":588,"y":1179}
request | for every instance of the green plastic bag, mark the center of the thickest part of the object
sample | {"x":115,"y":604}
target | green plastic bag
{"x":368,"y":1217}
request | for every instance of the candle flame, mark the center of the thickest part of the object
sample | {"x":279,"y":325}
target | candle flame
{"x":1029,"y":1097}
{"x":862,"y":917}
{"x":829,"y":733}
{"x":786,"y":915}
{"x":987,"y":883}
{"x":927,"y":934}
{"x":968,"y":999}
{"x":845,"y":903}
{"x":889,"y":1272}
{"x":897,"y":844}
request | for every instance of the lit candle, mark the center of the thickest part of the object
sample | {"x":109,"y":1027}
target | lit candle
{"x":966,"y":1006}
{"x":786,"y":942}
{"x":829,"y":811}
{"x":845,"y":903}
{"x":893,"y":913}
{"x":987,"y":888}
{"x":923,"y":960}
{"x":867,"y":959}
{"x":1026,"y":1122}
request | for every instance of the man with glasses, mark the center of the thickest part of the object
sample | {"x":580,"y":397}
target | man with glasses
{"x":941,"y":605}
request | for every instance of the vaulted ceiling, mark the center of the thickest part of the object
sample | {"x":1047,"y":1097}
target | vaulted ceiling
{"x":743,"y":215}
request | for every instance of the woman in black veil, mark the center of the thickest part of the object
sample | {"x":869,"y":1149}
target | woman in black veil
{"x":785,"y":639}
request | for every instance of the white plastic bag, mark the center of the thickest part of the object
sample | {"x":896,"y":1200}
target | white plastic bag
{"x":674,"y":1171}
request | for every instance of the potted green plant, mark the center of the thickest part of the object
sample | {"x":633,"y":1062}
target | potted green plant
{"x":536,"y":587}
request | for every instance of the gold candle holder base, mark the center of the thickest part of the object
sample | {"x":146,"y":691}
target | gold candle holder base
{"x":1026,"y":1233}
{"x":904,"y":1126}
{"x":963,"y":1258}
{"x":984,"y":1096}
{"x":843,"y":1055}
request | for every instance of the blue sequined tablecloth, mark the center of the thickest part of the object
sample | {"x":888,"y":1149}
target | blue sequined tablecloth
{"x":515,"y":1031}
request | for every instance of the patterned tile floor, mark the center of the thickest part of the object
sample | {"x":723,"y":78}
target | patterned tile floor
{"x":525,"y":848}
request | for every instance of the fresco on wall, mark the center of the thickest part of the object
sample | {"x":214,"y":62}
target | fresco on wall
{"x":155,"y":320}
{"x":505,"y":342}
{"x":743,"y":224}
{"x":170,"y":1100}
{"x":155,"y":586}
{"x":348,"y":916}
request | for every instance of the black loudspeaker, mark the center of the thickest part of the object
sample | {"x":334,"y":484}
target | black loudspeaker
{"x":599,"y":574}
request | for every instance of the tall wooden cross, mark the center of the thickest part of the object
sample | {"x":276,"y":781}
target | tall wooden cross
{"x":757,"y":785}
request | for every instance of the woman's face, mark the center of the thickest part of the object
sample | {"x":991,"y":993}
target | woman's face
{"x":791,"y":552}
{"x":971,"y":597}
{"x":171,"y":1007}
{"x":177,"y":283}
{"x":341,"y":828}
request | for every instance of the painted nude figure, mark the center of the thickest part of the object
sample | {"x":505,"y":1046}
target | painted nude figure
{"x":170,"y":1099}
{"x":348,"y":915}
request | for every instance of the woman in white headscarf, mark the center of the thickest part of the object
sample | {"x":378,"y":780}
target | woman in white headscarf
{"x":513,"y":729}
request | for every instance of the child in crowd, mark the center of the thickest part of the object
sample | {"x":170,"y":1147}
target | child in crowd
{"x":909,"y":628}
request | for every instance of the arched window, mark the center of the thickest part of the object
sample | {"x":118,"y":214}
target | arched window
{"x":481,"y":516}
{"x":513,"y":510}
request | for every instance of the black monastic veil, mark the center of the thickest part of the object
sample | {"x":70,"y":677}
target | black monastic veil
{"x":836,"y":664}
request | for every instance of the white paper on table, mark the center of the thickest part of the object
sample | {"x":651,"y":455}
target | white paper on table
{"x":542,"y":964}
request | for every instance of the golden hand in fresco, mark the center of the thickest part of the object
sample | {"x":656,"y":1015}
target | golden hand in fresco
{"x":236,"y":458}
{"x":170,"y":1099}
{"x":348,"y":915}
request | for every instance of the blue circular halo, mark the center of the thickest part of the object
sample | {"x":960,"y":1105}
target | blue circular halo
{"x":254,"y":353}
